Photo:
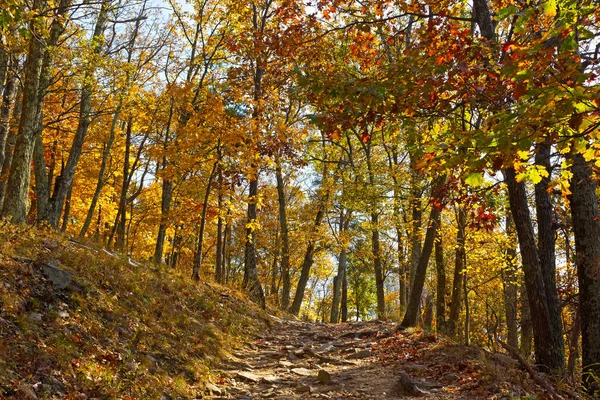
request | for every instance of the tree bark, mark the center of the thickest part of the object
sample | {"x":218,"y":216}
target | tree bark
{"x":8,"y":95}
{"x":411,"y":316}
{"x":379,"y":278}
{"x":509,"y":283}
{"x":251,"y":282}
{"x":546,"y":243}
{"x":459,"y":272}
{"x":440,"y":298}
{"x":285,"y":239}
{"x":307,"y":264}
{"x":341,"y":271}
{"x":17,"y":187}
{"x":200,"y":245}
{"x":548,"y":342}
{"x":586,"y":226}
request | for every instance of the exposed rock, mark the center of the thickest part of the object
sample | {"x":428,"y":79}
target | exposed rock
{"x":324,"y":377}
{"x":302,"y":371}
{"x":52,"y":270}
{"x":326,"y":348}
{"x":249,"y":376}
{"x":213,"y":389}
{"x":37,"y":317}
{"x":359,"y":355}
{"x":406,"y":386}
{"x":271,"y":379}
{"x":285,"y":364}
{"x":304,"y":389}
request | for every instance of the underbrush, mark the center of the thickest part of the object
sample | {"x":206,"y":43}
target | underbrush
{"x":119,"y":329}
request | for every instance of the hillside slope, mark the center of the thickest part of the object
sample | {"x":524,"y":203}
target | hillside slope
{"x":79,"y":322}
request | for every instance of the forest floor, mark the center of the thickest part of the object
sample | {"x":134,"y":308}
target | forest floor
{"x":366,"y":360}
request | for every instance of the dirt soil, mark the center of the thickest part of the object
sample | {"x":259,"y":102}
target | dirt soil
{"x":366,"y":360}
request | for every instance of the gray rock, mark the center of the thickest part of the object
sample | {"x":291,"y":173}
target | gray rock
{"x":37,"y":317}
{"x":63,"y":314}
{"x":406,"y":386}
{"x":60,"y":278}
{"x":326,"y":348}
{"x":286,"y":364}
{"x":359,"y":355}
{"x":248,"y":376}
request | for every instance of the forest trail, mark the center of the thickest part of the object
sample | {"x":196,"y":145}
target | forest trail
{"x":363,"y":360}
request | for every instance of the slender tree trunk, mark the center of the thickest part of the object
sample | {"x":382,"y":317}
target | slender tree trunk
{"x":285,"y":240}
{"x":200,"y":245}
{"x":411,"y":316}
{"x":467,"y":311}
{"x":341,"y":272}
{"x":440,"y":299}
{"x":251,"y":282}
{"x":307,"y":264}
{"x":275,"y":267}
{"x":509,"y":282}
{"x":122,"y":213}
{"x":459,"y":272}
{"x":379,"y":278}
{"x":219,"y":250}
{"x":67,"y":212}
{"x":548,"y":342}
{"x":344,"y":304}
{"x":100,"y":182}
{"x":586,"y":226}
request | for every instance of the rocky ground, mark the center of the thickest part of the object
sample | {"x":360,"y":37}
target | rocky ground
{"x":297,"y":360}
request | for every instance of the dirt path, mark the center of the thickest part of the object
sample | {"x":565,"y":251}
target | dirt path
{"x":297,"y":360}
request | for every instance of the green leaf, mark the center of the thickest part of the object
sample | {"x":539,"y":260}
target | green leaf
{"x":569,"y":43}
{"x":475,"y":179}
{"x":507,"y":12}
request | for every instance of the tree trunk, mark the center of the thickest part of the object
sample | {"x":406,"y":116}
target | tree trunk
{"x":548,"y":341}
{"x":509,"y":283}
{"x":526,"y":326}
{"x":285,"y":240}
{"x":17,"y":187}
{"x":10,"y":142}
{"x":379,"y":278}
{"x":586,"y":226}
{"x":337,"y":286}
{"x":8,"y":95}
{"x":219,"y":267}
{"x":100,"y":182}
{"x":306,"y":264}
{"x":416,"y":223}
{"x":546,"y":244}
{"x":251,"y":282}
{"x":411,"y":316}
{"x":459,"y":272}
{"x":344,"y":303}
{"x":200,"y":246}
{"x":440,"y":298}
